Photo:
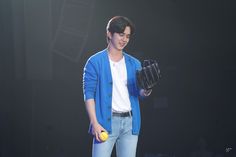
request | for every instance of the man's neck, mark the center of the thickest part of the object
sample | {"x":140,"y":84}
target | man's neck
{"x":114,"y":55}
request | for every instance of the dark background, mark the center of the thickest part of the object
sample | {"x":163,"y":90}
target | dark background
{"x":44,"y":45}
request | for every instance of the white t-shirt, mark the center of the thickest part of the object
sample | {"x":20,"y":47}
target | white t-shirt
{"x":120,"y":94}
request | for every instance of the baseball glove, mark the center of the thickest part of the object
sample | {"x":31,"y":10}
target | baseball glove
{"x":149,"y":75}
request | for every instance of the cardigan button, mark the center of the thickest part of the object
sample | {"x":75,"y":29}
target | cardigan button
{"x":109,"y":119}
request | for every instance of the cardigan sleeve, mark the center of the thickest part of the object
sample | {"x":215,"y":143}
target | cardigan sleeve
{"x":90,"y":77}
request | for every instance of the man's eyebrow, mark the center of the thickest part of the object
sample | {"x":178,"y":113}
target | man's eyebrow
{"x":125,"y":33}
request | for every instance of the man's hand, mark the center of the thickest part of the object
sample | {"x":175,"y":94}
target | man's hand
{"x":144,"y":92}
{"x":96,"y":130}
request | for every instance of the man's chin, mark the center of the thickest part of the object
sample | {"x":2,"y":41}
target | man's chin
{"x":120,"y":48}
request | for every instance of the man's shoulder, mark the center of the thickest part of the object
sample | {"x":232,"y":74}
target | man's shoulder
{"x":97,"y":55}
{"x":132,"y":58}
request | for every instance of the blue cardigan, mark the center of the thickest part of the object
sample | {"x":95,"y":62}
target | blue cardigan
{"x":97,"y":85}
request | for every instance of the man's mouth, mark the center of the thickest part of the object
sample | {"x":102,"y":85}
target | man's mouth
{"x":122,"y":44}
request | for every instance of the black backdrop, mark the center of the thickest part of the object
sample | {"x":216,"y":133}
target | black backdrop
{"x":43,"y":48}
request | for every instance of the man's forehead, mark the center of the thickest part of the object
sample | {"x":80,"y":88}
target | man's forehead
{"x":127,"y":30}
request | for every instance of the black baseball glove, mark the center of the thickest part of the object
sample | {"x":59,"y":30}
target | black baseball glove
{"x":149,"y":75}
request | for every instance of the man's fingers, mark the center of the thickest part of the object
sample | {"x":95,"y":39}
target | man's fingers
{"x":97,"y":136}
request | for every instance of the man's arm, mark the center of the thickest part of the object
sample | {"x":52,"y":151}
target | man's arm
{"x":96,"y":127}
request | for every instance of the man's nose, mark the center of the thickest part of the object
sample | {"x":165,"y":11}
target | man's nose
{"x":125,"y":38}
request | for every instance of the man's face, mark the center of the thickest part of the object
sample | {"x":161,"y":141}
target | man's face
{"x":120,"y":40}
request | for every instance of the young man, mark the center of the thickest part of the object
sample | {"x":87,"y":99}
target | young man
{"x":111,"y":93}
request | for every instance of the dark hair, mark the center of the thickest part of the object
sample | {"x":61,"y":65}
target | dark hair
{"x":118,"y":24}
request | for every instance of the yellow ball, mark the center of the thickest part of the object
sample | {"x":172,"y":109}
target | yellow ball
{"x":103,"y":136}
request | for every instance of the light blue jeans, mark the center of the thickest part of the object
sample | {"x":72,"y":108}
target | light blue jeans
{"x":121,"y":136}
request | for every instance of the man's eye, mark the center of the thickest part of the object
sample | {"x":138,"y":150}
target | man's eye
{"x":122,"y":34}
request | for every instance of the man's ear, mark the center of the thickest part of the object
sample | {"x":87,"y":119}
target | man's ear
{"x":109,"y":35}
